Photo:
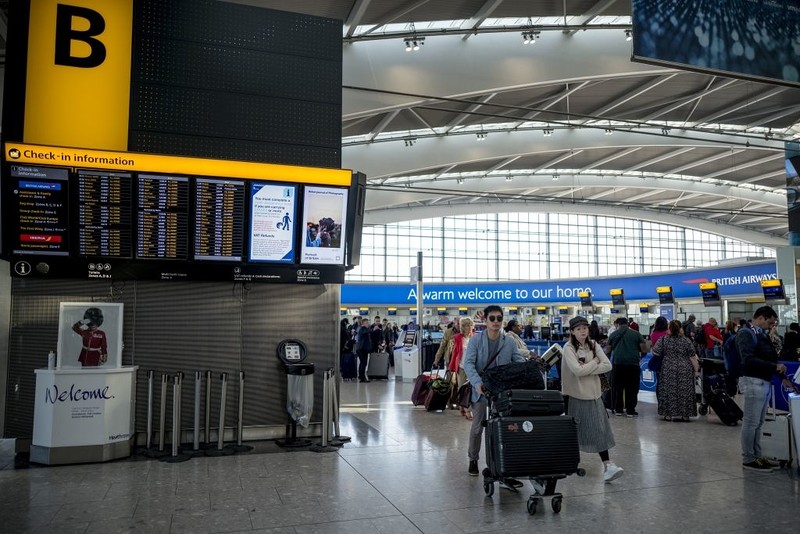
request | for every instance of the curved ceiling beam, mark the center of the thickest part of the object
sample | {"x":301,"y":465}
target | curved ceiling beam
{"x":380,"y":198}
{"x":426,"y":212}
{"x":384,"y":160}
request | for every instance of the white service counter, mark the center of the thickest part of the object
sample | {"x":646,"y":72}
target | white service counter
{"x":83,"y":415}
{"x":410,"y":363}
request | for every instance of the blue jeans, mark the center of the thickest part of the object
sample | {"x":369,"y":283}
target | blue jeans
{"x":756,"y":400}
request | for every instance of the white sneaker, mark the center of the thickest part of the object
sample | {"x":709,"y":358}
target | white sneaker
{"x":612,"y":472}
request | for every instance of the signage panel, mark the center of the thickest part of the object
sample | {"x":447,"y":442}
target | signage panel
{"x":273,"y":210}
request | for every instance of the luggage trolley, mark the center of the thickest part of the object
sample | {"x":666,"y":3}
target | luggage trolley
{"x":527,"y":436}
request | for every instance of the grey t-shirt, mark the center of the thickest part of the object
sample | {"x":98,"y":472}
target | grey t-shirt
{"x":494,"y":344}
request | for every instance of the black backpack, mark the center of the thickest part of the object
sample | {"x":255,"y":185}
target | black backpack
{"x":730,"y":352}
{"x":700,"y":336}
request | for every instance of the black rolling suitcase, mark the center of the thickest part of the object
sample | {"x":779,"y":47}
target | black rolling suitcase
{"x":725,"y":407}
{"x":347,"y":366}
{"x":520,"y":446}
{"x":514,"y":402}
{"x":378,"y":366}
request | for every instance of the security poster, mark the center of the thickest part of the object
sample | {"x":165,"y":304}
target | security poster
{"x":272,"y":214}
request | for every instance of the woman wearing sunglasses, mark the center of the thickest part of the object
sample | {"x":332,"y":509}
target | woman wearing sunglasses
{"x":488,"y":348}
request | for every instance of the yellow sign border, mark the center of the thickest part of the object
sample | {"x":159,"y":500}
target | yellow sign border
{"x":81,"y":158}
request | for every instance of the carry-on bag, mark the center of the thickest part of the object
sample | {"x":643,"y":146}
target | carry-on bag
{"x":348,"y":367}
{"x":378,"y":366}
{"x":520,"y":446}
{"x":421,"y":386}
{"x":439,"y":393}
{"x":725,"y":407}
{"x":529,"y":402}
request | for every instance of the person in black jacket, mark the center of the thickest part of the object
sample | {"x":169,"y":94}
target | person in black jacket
{"x":791,"y":344}
{"x":759,"y":364}
{"x":363,"y":348}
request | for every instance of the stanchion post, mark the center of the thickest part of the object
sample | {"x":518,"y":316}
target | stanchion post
{"x":150,"y":378}
{"x":180,"y":406}
{"x":241,"y":409}
{"x":326,"y":420}
{"x":162,"y":423}
{"x":207,"y":437}
{"x":176,"y":390}
{"x":224,"y":382}
{"x":198,"y":377}
{"x":336,"y":438}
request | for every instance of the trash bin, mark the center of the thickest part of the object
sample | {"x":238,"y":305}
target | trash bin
{"x":299,"y":389}
{"x":299,"y":380}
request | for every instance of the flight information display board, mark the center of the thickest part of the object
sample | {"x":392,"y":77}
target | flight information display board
{"x":219,"y":219}
{"x":125,"y":216}
{"x":41,"y":207}
{"x":162,"y":217}
{"x":105,"y":207}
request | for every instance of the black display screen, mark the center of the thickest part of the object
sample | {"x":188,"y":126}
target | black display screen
{"x":105,"y":207}
{"x":710,"y":295}
{"x":774,"y":292}
{"x":64,"y":222}
{"x":218,"y":219}
{"x":40,"y":211}
{"x":162,"y":217}
{"x":618,"y":300}
{"x":666,"y":298}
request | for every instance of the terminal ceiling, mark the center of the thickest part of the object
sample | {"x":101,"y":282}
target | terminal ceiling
{"x":569,"y":124}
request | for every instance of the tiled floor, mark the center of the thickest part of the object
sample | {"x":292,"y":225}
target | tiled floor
{"x":405,"y":471}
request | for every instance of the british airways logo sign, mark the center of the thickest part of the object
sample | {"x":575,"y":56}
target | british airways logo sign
{"x":55,"y":394}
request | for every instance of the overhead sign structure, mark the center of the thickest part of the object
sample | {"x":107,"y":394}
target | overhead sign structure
{"x":710,"y":293}
{"x":665,"y":295}
{"x":773,"y":290}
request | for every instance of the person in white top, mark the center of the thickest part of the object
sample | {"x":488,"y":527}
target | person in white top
{"x":583,"y":363}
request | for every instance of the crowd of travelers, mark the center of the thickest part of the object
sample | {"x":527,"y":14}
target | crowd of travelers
{"x":600,"y":370}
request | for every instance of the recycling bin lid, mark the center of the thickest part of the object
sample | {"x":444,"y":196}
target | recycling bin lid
{"x":299,"y":368}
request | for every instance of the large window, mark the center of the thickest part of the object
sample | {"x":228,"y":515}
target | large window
{"x":537,"y":246}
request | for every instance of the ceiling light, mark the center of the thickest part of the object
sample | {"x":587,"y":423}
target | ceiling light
{"x":460,"y":180}
{"x":413,"y":43}
{"x":408,"y":45}
{"x":628,"y":35}
{"x":547,"y":132}
{"x":665,"y":130}
{"x":609,"y":131}
{"x":481,"y":136}
{"x":410,"y":141}
{"x":509,"y":178}
{"x":530,"y":37}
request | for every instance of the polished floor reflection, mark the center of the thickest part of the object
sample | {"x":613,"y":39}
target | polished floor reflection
{"x":405,"y":470}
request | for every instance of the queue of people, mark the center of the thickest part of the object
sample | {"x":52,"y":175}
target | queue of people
{"x":591,"y":359}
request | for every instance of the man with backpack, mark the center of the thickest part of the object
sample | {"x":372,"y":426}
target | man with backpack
{"x":759,"y":362}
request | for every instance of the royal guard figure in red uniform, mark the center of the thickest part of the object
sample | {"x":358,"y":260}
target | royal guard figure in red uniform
{"x":95,"y":348}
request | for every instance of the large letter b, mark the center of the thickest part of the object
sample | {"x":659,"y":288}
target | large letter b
{"x":65,"y":34}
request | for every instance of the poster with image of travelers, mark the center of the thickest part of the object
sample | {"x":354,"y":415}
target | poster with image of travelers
{"x":324,"y":212}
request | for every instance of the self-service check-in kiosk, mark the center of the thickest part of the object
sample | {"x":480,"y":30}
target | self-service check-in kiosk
{"x":406,"y":358}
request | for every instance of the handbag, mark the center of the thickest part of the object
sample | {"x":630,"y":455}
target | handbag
{"x":516,"y":375}
{"x":464,"y":398}
{"x":656,"y":360}
{"x":605,"y":383}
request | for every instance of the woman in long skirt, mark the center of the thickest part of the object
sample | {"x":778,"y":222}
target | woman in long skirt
{"x":583,"y":363}
{"x":675,"y":388}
